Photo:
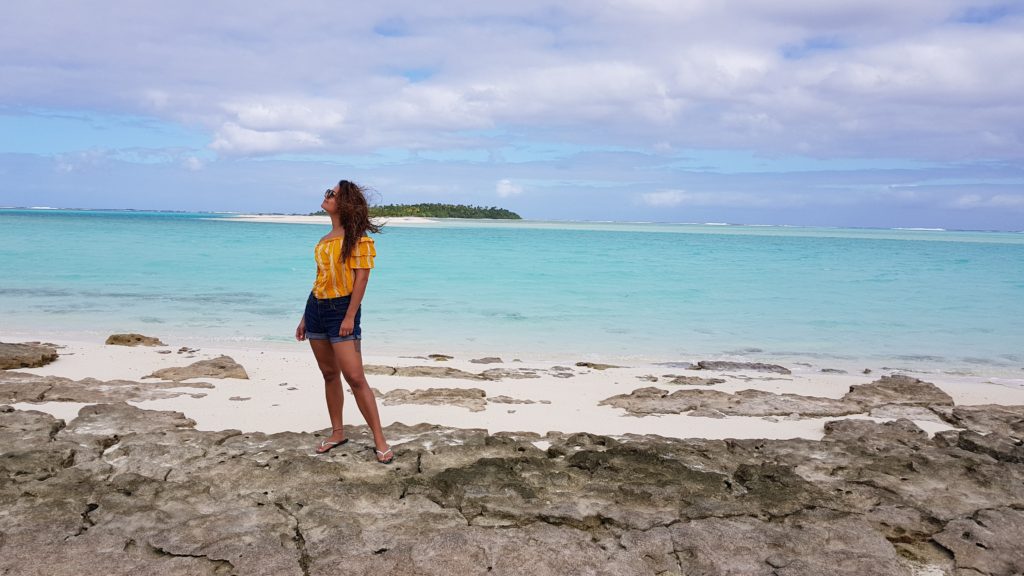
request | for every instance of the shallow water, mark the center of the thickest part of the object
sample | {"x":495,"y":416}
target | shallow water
{"x":540,"y":289}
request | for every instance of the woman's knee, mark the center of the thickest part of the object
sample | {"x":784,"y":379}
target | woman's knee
{"x":356,"y":380}
{"x":330,"y":374}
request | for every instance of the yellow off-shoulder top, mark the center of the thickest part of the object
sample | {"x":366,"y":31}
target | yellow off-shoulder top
{"x":334,"y":278}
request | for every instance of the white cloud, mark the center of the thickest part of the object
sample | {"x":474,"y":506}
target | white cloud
{"x":967,"y":201}
{"x":1007,"y":201}
{"x":234,"y":139}
{"x":506,"y":188}
{"x":869,"y":79}
{"x":192,"y":163}
{"x":664,"y":198}
{"x":74,"y":161}
{"x":970,"y":201}
{"x":295,"y":114}
{"x":673,"y":198}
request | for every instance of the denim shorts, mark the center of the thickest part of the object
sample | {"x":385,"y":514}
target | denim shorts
{"x":323,"y":319}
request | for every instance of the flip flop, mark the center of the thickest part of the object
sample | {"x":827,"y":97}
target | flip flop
{"x":383,"y":454}
{"x":326,"y":446}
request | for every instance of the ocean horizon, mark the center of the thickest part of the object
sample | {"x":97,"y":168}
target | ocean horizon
{"x":528,"y":220}
{"x":846,"y":297}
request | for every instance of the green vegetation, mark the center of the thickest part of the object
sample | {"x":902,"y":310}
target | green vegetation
{"x":441,"y":211}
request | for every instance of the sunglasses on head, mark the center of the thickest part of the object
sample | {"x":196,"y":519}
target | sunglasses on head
{"x":331,"y":192}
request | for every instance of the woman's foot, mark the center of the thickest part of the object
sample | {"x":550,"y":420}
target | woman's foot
{"x":326,"y":446}
{"x":337,"y":438}
{"x":385,"y":457}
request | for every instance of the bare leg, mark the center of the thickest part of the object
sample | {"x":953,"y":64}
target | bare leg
{"x":350,"y":354}
{"x":331,"y":370}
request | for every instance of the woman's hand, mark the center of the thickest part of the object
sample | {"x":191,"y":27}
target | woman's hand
{"x":300,"y":330}
{"x":347,"y":326}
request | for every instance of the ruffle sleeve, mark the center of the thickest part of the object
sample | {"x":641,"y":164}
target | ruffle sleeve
{"x":362,"y":254}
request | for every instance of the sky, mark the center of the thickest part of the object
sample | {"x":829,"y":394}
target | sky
{"x":864,"y":113}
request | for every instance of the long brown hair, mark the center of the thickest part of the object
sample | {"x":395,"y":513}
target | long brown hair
{"x":354,"y":212}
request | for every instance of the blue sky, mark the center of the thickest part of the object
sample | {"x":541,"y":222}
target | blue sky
{"x":842,"y":113}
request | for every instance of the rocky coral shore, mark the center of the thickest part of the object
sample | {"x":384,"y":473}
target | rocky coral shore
{"x":120,"y":490}
{"x":889,"y":474}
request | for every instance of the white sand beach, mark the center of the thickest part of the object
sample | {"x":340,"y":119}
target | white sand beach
{"x":284,"y":392}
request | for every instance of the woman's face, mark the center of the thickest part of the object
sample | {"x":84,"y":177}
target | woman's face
{"x":330,"y":203}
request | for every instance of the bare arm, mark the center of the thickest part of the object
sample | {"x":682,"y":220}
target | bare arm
{"x":361,"y":278}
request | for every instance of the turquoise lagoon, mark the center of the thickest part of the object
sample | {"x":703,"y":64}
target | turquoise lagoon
{"x":657,"y":292}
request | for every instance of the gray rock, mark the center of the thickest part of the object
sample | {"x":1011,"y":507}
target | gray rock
{"x":378,"y":370}
{"x":651,"y":400}
{"x":596,"y":365}
{"x":818,"y":542}
{"x":895,"y":411}
{"x":985,"y":418}
{"x":436,"y":372}
{"x":487,"y":360}
{"x":705,"y":413}
{"x":899,"y":395}
{"x":447,"y":372}
{"x":755,"y":366}
{"x":993,"y":444}
{"x":510,"y":373}
{"x":510,"y":400}
{"x":219,"y":367}
{"x":898,"y":389}
{"x":121,"y":490}
{"x":865,"y":432}
{"x":133,"y":339}
{"x":24,"y":387}
{"x":25,"y":355}
{"x":440,"y":357}
{"x":472,"y":398}
{"x":694,"y":381}
{"x":24,"y":430}
{"x":988,"y":541}
{"x":946,"y":482}
{"x":109,"y":420}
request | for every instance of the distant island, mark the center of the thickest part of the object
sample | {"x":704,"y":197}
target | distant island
{"x":439,"y":211}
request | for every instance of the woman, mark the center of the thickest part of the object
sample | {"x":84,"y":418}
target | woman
{"x":344,"y":258}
